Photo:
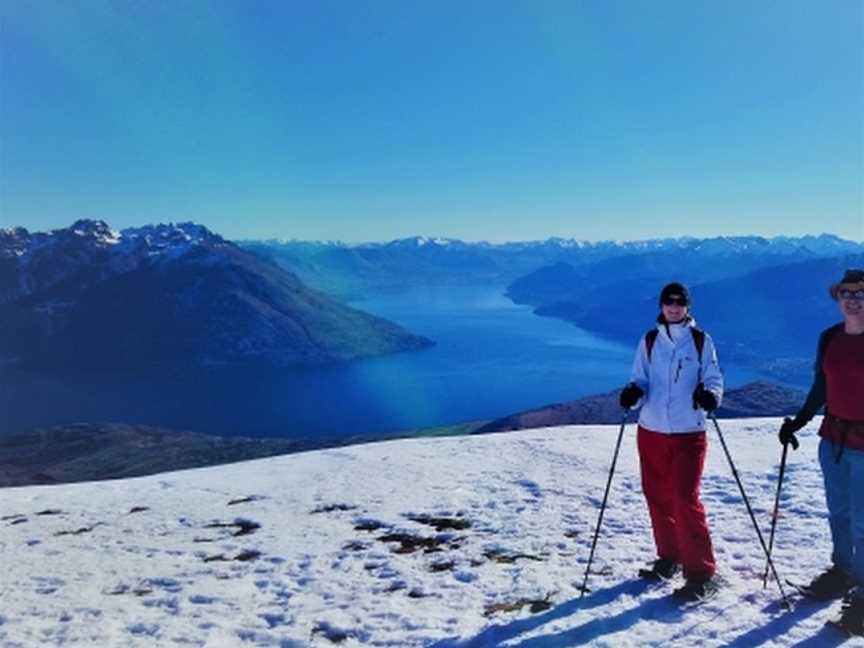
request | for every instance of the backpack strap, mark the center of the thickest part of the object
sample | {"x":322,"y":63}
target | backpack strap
{"x":650,"y":339}
{"x":698,"y":340}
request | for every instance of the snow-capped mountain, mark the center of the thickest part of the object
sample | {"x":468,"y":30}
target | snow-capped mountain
{"x":358,"y":268}
{"x":172,"y":295}
{"x":89,"y":250}
{"x":456,"y":542}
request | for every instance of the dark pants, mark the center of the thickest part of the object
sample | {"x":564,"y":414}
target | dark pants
{"x":671,"y":471}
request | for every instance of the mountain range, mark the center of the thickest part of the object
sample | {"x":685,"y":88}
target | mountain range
{"x":356,"y":269}
{"x":169,"y":296}
{"x":763,"y":299}
{"x":768,"y":318}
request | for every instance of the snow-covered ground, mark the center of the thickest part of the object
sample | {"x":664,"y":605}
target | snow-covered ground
{"x":140,"y":563}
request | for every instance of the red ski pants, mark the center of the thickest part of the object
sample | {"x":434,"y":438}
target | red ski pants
{"x":671,"y":471}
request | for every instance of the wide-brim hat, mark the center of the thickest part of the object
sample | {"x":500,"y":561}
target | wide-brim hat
{"x":853,"y":278}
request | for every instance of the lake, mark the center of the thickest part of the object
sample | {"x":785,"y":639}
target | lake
{"x":492,"y":358}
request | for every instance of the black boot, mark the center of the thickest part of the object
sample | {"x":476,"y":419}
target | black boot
{"x":696,"y":589}
{"x":833,"y":583}
{"x":661,"y":569}
{"x":851,"y":619}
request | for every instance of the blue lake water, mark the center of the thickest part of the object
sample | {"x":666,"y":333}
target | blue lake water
{"x":492,"y":358}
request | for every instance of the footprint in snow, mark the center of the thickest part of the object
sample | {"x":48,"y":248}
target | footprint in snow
{"x":442,"y":566}
{"x":168,"y":604}
{"x":14,"y":516}
{"x":409,"y":543}
{"x":370,"y":524}
{"x":246,"y":500}
{"x":331,"y":508}
{"x":441,"y":523}
{"x":80,"y":530}
{"x":46,"y":586}
{"x":241,"y":526}
{"x":143,"y":629}
{"x":146,"y":586}
{"x":336,"y":634}
{"x":244,"y":556}
{"x":532,"y":487}
{"x":355,"y":545}
{"x":503,"y":556}
{"x":534,"y":605}
{"x":275,"y":619}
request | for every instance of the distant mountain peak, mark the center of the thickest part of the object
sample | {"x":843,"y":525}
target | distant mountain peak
{"x":127,"y":247}
{"x":162,"y":234}
{"x":423,"y":241}
{"x":96,"y":230}
{"x":14,"y":241}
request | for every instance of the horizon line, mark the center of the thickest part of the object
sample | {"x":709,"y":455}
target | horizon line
{"x":446,"y":239}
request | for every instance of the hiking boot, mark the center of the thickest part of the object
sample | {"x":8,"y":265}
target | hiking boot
{"x":696,"y":589}
{"x":852,"y":618}
{"x":833,"y":583}
{"x":661,"y":569}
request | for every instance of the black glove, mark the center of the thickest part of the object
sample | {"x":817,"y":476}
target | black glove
{"x":788,"y":430}
{"x":630,"y":395}
{"x":704,"y":398}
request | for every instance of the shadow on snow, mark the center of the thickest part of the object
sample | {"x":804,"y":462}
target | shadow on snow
{"x":660,"y":609}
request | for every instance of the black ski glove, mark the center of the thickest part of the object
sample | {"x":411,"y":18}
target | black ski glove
{"x":704,"y":398}
{"x":788,"y":430}
{"x":630,"y":395}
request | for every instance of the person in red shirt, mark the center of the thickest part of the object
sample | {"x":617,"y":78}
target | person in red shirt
{"x":839,"y":385}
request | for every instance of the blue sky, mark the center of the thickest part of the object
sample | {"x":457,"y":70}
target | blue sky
{"x":379,"y":119}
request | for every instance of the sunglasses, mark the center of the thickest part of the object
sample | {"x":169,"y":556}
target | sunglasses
{"x":673,"y":300}
{"x":851,"y":295}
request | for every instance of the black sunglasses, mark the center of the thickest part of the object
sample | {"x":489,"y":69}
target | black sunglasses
{"x":855,"y":295}
{"x":672,"y":300}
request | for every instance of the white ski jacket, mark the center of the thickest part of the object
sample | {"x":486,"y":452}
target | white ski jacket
{"x":671,"y":376}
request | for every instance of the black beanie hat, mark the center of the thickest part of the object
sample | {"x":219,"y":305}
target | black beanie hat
{"x":674,"y":288}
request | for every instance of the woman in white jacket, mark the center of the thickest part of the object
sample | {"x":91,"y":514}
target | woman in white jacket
{"x":676,"y":379}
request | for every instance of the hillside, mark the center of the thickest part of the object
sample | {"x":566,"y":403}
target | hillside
{"x":448,"y":542}
{"x":768,"y":319}
{"x":754,"y":399}
{"x":89,"y":452}
{"x":169,"y":297}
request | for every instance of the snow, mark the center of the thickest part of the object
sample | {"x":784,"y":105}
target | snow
{"x":266,"y":553}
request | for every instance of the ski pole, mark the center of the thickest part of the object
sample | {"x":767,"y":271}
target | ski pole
{"x":603,"y":506}
{"x":750,"y":511}
{"x":776,"y":512}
